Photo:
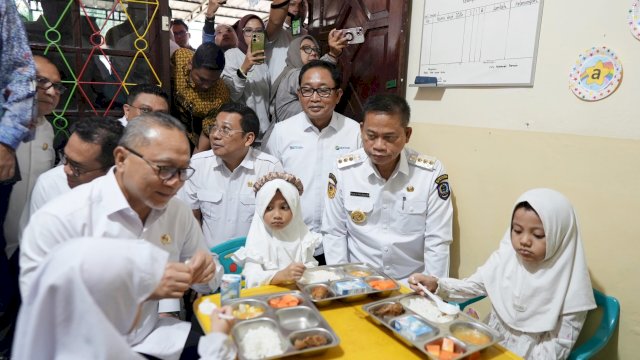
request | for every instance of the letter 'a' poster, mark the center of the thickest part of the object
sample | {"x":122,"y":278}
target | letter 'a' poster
{"x":480,"y":42}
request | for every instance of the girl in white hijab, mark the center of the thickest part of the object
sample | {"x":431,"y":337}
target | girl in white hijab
{"x":86,"y":297}
{"x":279,"y":245}
{"x":537,"y":280}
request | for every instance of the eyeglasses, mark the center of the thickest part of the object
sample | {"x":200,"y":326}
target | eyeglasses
{"x":249,"y":31}
{"x":180,"y":33}
{"x":308,"y":49}
{"x":76,"y":169}
{"x":146,"y":109}
{"x":324,"y":92}
{"x":46,"y":84}
{"x":166,"y":173}
{"x":226,"y":131}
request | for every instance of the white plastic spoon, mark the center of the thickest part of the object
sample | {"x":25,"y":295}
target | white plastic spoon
{"x":446,"y":308}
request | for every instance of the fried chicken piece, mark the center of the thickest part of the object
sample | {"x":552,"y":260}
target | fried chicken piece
{"x":394,"y":309}
{"x":319,"y":292}
{"x":310,"y":341}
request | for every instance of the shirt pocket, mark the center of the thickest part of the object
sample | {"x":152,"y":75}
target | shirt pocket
{"x":247,"y":208}
{"x":359,"y":213}
{"x":411,"y":216}
{"x":210,"y":204}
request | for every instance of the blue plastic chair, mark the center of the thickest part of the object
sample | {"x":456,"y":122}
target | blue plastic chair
{"x":226,"y":248}
{"x":610,"y":315}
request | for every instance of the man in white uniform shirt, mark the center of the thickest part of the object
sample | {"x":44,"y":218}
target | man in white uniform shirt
{"x":87,"y":155}
{"x":144,"y":98}
{"x":135,"y":200}
{"x":309,"y":143}
{"x":386,"y":204}
{"x":221,"y":191}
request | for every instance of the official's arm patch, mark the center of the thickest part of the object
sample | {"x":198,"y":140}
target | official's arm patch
{"x":442,"y":183}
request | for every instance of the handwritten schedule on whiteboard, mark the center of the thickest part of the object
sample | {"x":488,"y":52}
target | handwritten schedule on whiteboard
{"x":480,"y":42}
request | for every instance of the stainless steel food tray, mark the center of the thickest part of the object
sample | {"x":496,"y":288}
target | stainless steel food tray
{"x":420,"y":338}
{"x":290,"y":323}
{"x":359,"y":273}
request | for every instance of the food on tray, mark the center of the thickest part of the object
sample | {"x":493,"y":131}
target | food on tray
{"x":245,"y":311}
{"x":309,"y":341}
{"x":319,"y":293}
{"x":350,"y":287}
{"x":411,"y":327}
{"x":359,"y":273}
{"x":393,"y":309}
{"x":284,"y":301}
{"x":444,"y":350}
{"x":426,"y":309}
{"x":384,"y":284}
{"x":318,"y":276}
{"x":206,"y":307}
{"x":472,"y":336}
{"x":261,"y":342}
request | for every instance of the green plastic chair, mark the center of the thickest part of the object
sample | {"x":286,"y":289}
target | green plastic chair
{"x":610,"y":315}
{"x":226,"y":248}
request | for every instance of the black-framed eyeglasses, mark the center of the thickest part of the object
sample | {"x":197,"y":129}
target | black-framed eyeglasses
{"x":76,"y":169}
{"x":166,"y":173}
{"x":324,"y":92}
{"x":224,"y":130}
{"x":249,"y":31}
{"x":146,"y":109}
{"x":46,"y":84}
{"x":308,"y":49}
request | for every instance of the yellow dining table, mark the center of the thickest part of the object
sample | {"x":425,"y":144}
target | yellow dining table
{"x":360,"y":338}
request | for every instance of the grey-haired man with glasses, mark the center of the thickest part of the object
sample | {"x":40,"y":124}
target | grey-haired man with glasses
{"x":135,"y":200}
{"x":221,"y":191}
{"x":318,"y":136}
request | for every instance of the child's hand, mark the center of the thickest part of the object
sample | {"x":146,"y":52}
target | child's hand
{"x":427,"y":280}
{"x":290,"y":274}
{"x":221,"y":325}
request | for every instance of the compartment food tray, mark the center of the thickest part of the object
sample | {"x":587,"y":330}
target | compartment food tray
{"x":349,"y":282}
{"x":429,"y":327}
{"x":289,"y":323}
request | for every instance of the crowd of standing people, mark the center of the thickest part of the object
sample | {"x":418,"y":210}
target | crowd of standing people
{"x":249,"y":144}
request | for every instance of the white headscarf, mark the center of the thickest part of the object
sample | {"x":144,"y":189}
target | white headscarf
{"x":276,"y":249}
{"x":532,"y":298}
{"x":85,"y":297}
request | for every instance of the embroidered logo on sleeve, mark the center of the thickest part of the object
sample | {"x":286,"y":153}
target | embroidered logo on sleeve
{"x":331,"y":187}
{"x":442,"y":183}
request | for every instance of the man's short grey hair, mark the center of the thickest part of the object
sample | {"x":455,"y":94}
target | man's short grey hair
{"x":137,"y":132}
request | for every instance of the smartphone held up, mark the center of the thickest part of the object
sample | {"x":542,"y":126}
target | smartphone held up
{"x":257,"y":42}
{"x":354,"y":35}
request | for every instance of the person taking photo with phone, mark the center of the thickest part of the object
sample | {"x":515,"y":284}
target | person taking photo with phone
{"x":246,"y":74}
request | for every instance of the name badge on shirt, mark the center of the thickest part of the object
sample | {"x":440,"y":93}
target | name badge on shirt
{"x":359,"y":194}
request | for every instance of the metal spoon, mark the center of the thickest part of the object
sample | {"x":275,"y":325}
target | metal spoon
{"x":445,"y":307}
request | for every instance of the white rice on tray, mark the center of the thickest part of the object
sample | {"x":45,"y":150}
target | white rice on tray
{"x":261,"y":342}
{"x":317,"y":276}
{"x":426,"y":309}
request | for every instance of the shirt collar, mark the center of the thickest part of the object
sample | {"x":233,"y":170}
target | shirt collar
{"x":113,"y":199}
{"x":248,"y":161}
{"x":332,"y":124}
{"x":402,"y":166}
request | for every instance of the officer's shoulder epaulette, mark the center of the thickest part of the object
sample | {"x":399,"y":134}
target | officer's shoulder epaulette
{"x":423,"y":161}
{"x":352,"y":158}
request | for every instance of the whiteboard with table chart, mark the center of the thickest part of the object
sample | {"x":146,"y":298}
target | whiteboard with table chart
{"x":480,"y":42}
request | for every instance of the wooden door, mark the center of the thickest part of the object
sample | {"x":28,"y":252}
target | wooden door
{"x":379,"y":65}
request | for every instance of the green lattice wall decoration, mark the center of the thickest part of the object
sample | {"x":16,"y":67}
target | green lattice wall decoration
{"x":97,"y":74}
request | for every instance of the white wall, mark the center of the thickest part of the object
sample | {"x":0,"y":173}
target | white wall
{"x":498,"y":142}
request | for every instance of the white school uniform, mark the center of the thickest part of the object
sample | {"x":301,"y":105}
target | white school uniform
{"x":268,"y":251}
{"x":539,"y":309}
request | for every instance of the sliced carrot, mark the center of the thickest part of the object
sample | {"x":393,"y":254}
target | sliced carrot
{"x":433,"y":349}
{"x":446,"y":355}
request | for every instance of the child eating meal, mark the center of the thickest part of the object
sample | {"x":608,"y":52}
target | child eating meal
{"x":279,"y":245}
{"x":537,"y":280}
